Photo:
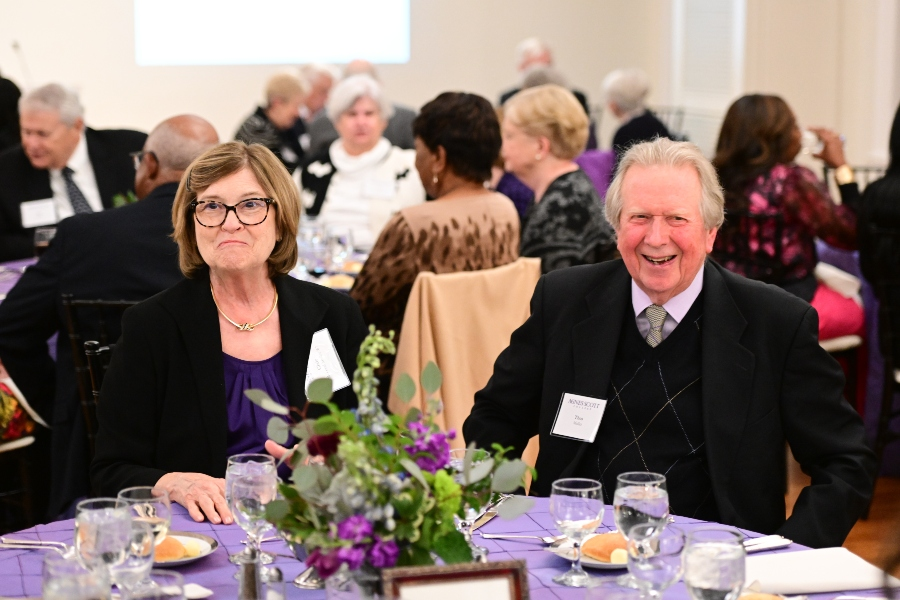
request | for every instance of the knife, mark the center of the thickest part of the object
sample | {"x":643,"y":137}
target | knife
{"x":484,"y":519}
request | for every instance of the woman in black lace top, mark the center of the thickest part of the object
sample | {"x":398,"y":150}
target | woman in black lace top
{"x":544,"y":129}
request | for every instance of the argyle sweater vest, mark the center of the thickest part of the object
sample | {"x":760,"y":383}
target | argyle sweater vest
{"x":654,"y":417}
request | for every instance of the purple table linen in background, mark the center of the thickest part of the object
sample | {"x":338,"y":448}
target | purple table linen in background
{"x":20,"y":570}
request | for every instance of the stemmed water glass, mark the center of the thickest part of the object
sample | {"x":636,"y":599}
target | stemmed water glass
{"x":459,"y":459}
{"x":654,"y":557}
{"x":65,"y":578}
{"x":102,"y":533}
{"x":249,"y":495}
{"x":138,"y":560}
{"x":247,"y":464}
{"x":714,"y":563}
{"x":159,"y":585}
{"x":577,"y":507}
{"x":150,"y":505}
{"x":640,"y":498}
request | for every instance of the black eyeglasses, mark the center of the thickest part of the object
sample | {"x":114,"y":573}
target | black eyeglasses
{"x":251,"y":211}
{"x":138,"y":156}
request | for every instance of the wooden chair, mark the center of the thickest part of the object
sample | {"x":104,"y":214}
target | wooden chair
{"x":97,"y":320}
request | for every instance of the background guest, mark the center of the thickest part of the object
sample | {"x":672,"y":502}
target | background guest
{"x":121,"y":254}
{"x":468,"y":227}
{"x":319,"y":80}
{"x":533,"y":53}
{"x":77,"y":168}
{"x":754,"y":159}
{"x":626,"y":90}
{"x":172,"y":408}
{"x":544,"y":129}
{"x":277,"y":126}
{"x":9,"y":114}
{"x":361,"y":180}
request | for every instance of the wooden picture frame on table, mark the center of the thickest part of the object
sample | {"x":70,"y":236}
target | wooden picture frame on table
{"x":504,"y":580}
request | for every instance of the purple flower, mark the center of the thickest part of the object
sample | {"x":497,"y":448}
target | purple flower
{"x":354,"y":528}
{"x":383,"y":554}
{"x":352,"y":557}
{"x":325,"y":564}
{"x":430,"y":451}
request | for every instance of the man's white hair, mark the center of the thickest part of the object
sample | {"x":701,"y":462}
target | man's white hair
{"x":53,"y":97}
{"x":312,"y":71}
{"x":627,"y":89}
{"x":529,"y":49}
{"x":345,"y":94}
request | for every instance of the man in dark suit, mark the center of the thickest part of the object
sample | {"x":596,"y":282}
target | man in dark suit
{"x":626,"y":91}
{"x":121,"y":254}
{"x":61,"y":168}
{"x":666,"y":362}
{"x":533,"y":56}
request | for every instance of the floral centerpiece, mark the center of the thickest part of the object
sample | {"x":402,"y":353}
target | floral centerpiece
{"x":371,"y":490}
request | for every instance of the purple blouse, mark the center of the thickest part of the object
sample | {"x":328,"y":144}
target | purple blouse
{"x":246,"y":421}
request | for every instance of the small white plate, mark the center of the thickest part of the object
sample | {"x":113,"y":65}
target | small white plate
{"x":567,"y":551}
{"x":208,"y":546}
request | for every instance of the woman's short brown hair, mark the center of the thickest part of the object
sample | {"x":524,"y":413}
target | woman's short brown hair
{"x":550,"y":111}
{"x":220,"y":162}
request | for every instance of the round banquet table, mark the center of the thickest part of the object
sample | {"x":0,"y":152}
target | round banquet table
{"x":20,"y":570}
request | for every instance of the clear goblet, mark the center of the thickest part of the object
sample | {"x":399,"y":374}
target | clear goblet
{"x":577,"y":507}
{"x":249,"y":496}
{"x":150,"y":505}
{"x":102,"y":533}
{"x":247,"y":464}
{"x":159,"y":585}
{"x":640,"y":498}
{"x":139,"y":559}
{"x":462,"y":459}
{"x":65,"y":578}
{"x":654,"y":557}
{"x":714,"y":562}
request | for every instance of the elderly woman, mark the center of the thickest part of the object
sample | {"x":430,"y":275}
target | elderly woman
{"x":362,"y":180}
{"x":172,"y":408}
{"x":544,"y":129}
{"x":776,"y":208}
{"x":468,"y":227}
{"x":626,"y":90}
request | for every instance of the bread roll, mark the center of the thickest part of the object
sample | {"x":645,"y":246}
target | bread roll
{"x":600,"y":547}
{"x":169,"y":549}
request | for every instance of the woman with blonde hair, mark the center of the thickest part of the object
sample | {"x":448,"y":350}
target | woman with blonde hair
{"x":544,"y":129}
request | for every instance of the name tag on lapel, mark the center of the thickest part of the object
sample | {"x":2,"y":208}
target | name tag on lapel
{"x":36,"y":213}
{"x":325,"y":362}
{"x":578,"y":417}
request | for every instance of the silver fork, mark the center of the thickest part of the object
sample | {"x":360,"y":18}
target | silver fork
{"x":550,"y":540}
{"x":64,"y":549}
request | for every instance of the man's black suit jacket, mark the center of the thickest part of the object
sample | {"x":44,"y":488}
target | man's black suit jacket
{"x":120,"y":254}
{"x":19,"y":182}
{"x":163,"y":406}
{"x":766,"y":380}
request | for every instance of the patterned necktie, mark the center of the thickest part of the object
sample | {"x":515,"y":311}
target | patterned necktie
{"x":657,"y":316}
{"x":79,"y":202}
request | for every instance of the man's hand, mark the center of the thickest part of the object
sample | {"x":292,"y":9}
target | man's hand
{"x":201,"y":494}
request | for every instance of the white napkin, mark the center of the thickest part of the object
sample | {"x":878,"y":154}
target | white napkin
{"x":813,"y":572}
{"x":842,"y":282}
{"x":195,"y":590}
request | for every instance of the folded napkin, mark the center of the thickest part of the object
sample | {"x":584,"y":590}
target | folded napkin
{"x":842,"y":282}
{"x":813,"y":572}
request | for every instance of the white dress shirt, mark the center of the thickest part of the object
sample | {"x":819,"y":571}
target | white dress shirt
{"x":676,"y":308}
{"x":83,"y":176}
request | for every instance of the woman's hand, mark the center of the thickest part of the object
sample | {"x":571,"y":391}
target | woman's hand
{"x":200,"y":494}
{"x":832,"y":147}
{"x":278,"y":451}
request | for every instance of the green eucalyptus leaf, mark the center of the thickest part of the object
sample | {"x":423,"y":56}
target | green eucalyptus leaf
{"x":326,"y":426}
{"x":431,"y":378}
{"x":304,"y":429}
{"x":405,"y":388}
{"x":413,"y":414}
{"x":264,"y":401}
{"x":414,"y":470}
{"x":478,"y":471}
{"x":452,"y":548}
{"x":304,"y":477}
{"x":276,"y":510}
{"x":277,"y":430}
{"x":514,"y":507}
{"x":508,"y":476}
{"x":319,"y":391}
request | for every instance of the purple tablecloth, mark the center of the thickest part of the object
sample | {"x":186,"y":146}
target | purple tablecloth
{"x":20,"y":570}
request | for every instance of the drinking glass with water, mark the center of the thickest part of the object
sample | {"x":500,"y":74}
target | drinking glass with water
{"x":654,"y":557}
{"x":714,"y":563}
{"x":150,"y":505}
{"x":640,"y":498}
{"x":102,"y":532}
{"x":247,"y":464}
{"x":576,"y":506}
{"x":65,"y":578}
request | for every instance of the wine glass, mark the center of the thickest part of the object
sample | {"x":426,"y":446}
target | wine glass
{"x":459,"y":457}
{"x":159,"y":585}
{"x":249,"y":496}
{"x":654,"y":557}
{"x":640,"y":497}
{"x":577,"y":507}
{"x":247,"y":464}
{"x":65,"y":578}
{"x":150,"y":505}
{"x":139,"y":559}
{"x":102,"y":533}
{"x":714,"y":560}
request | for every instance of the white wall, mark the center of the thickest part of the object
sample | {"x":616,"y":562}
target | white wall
{"x":819,"y":54}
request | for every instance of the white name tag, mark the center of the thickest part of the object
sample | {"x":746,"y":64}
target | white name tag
{"x":578,"y":417}
{"x":325,"y":362}
{"x":37,"y":213}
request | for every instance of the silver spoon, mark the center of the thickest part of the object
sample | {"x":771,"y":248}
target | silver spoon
{"x":548,"y":539}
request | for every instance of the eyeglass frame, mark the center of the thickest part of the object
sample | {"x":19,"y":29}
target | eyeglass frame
{"x":138,"y":157}
{"x":195,"y":203}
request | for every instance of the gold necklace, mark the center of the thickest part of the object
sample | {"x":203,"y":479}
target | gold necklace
{"x":244,"y":326}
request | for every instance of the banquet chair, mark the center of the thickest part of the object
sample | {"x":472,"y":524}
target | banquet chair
{"x":97,"y":361}
{"x":864,"y":174}
{"x":462,"y":321}
{"x":97,"y":320}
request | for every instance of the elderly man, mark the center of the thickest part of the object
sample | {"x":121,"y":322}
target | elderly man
{"x":277,"y":125}
{"x":61,"y":168}
{"x":121,"y":254}
{"x":319,"y":81}
{"x":533,"y":54}
{"x":626,"y":90}
{"x":666,"y":362}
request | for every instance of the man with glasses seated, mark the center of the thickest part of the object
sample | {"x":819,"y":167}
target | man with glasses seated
{"x":121,"y":254}
{"x":61,"y":168}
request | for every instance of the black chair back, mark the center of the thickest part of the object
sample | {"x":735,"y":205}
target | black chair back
{"x":751,"y":244}
{"x":100,"y":321}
